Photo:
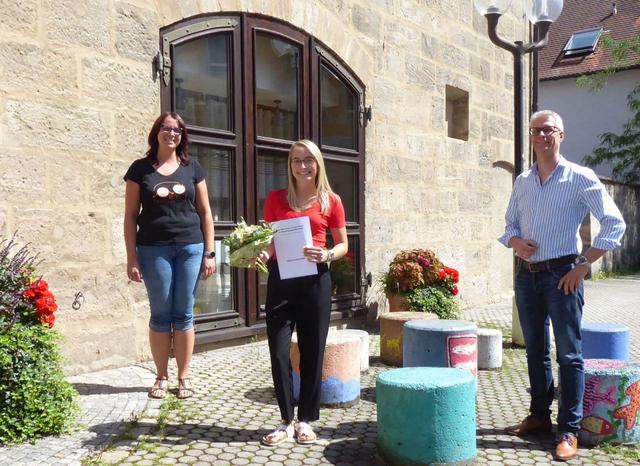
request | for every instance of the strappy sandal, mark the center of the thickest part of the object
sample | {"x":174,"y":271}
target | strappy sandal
{"x":184,"y":388}
{"x":159,"y":389}
{"x":305,"y":434}
{"x":280,"y":434}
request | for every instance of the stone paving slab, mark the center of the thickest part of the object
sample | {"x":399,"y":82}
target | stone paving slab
{"x":234,"y":406}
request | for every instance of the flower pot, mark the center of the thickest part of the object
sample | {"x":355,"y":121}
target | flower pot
{"x":398,"y":303}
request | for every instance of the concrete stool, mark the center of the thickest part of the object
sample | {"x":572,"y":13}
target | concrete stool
{"x":489,"y":348}
{"x":611,"y":399}
{"x":364,"y":345}
{"x":426,"y":415}
{"x":441,"y":343}
{"x":340,"y":385}
{"x":391,"y":325}
{"x":605,"y":341}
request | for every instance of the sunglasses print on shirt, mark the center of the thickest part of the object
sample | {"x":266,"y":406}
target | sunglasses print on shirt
{"x":169,"y":191}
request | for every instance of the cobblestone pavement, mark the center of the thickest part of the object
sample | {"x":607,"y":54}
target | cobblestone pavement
{"x":234,"y":407}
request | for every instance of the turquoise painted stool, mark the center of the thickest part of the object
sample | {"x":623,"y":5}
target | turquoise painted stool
{"x":605,"y":341}
{"x":426,"y":415}
{"x":440,"y":343}
{"x":611,"y":400}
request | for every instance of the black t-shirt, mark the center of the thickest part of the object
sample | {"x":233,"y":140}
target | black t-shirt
{"x":169,"y":212}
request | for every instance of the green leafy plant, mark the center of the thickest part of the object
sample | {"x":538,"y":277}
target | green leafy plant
{"x":435,"y":299}
{"x":35,"y":398}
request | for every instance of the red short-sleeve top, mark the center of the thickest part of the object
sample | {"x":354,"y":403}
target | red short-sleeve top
{"x":277,"y":208}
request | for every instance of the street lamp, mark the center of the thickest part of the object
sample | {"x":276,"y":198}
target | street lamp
{"x":541,"y":13}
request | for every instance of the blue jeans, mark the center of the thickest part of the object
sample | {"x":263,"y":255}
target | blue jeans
{"x":540,"y":302}
{"x":170,"y":274}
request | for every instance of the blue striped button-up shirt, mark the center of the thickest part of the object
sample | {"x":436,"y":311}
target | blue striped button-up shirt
{"x":551,"y":213}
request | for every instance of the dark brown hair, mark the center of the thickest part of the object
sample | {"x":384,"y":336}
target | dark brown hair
{"x":181,"y":150}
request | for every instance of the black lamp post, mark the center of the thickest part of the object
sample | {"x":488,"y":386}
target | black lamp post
{"x":541,"y":13}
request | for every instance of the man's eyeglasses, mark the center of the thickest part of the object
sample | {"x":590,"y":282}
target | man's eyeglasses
{"x":307,"y":161}
{"x":545,"y":131}
{"x":170,"y":130}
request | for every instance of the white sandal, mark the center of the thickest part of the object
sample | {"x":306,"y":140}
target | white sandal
{"x":280,"y":434}
{"x":305,"y":434}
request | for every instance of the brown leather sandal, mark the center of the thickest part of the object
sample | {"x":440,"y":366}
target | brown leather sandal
{"x":281,"y":433}
{"x":159,"y":389}
{"x":184,"y":388}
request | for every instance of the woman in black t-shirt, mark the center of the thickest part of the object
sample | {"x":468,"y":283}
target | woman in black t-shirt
{"x":168,"y":232}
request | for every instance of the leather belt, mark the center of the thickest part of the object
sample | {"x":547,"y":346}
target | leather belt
{"x":545,"y":266}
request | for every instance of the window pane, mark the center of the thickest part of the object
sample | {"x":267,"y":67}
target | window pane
{"x":201,"y":81}
{"x":271,"y":174}
{"x":217,"y":165}
{"x":344,"y":270}
{"x":215,"y":294}
{"x":339,"y":113}
{"x":343,"y":178}
{"x":276,"y":64}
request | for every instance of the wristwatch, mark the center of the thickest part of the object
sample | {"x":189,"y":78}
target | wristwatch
{"x":329,"y":255}
{"x":582,"y":260}
{"x":210,"y":254}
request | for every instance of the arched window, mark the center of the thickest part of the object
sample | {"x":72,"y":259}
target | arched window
{"x":247,"y":87}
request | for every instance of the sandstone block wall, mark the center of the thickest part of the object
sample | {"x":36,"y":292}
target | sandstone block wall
{"x":77,"y":97}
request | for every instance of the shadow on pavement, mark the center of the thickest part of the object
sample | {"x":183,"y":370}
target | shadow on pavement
{"x":103,"y":389}
{"x":262,"y":395}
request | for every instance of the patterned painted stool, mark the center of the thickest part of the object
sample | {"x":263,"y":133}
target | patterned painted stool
{"x":364,"y":345}
{"x":340,"y":385}
{"x":391,"y":328}
{"x":605,"y":341}
{"x":441,"y":343}
{"x":489,"y":348}
{"x":426,"y":415}
{"x":611,"y":402}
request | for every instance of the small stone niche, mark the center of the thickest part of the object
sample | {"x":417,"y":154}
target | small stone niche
{"x":457,"y":113}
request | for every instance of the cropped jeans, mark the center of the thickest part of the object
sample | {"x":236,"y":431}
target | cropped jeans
{"x":170,"y":274}
{"x":540,"y":302}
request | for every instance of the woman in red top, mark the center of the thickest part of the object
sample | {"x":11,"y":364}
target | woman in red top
{"x":302,"y":303}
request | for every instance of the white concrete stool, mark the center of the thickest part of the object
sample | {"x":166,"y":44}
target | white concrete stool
{"x":364,"y":345}
{"x":489,"y":348}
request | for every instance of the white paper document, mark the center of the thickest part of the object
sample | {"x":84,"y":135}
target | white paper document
{"x":292,"y":235}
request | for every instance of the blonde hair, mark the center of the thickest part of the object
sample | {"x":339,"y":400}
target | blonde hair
{"x":323,"y":189}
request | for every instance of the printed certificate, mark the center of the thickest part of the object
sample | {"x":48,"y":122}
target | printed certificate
{"x":292,"y":235}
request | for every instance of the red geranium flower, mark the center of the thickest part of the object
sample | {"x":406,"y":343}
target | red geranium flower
{"x":46,"y":304}
{"x":48,"y":319}
{"x":454,"y":291}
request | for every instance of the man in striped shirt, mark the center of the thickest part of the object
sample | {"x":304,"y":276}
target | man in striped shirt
{"x":547,"y":206}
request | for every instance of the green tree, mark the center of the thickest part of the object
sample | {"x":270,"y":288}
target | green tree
{"x":621,"y":150}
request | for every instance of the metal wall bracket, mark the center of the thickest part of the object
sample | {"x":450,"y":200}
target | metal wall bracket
{"x":365,"y":114}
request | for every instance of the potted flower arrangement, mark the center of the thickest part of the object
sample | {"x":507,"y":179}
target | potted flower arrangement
{"x":35,"y":397}
{"x":418,"y":281}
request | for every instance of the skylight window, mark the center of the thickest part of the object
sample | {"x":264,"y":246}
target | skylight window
{"x":582,"y":42}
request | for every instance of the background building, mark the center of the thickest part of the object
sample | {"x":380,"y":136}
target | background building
{"x":82,"y":81}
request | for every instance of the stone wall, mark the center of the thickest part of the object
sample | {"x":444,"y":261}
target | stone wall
{"x":77,"y":97}
{"x":627,"y":198}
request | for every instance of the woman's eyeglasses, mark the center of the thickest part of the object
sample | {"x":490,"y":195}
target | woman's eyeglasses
{"x":545,"y":131}
{"x":307,"y":161}
{"x":170,"y":130}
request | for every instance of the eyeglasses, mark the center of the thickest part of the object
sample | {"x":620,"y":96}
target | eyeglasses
{"x":307,"y":161}
{"x":545,"y":131}
{"x":170,"y":130}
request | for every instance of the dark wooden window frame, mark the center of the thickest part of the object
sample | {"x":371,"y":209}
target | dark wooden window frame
{"x":243,"y":144}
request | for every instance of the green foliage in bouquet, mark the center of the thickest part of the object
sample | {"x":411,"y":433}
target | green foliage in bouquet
{"x":246,"y":242}
{"x":35,"y":398}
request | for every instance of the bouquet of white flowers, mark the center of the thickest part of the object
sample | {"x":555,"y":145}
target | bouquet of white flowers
{"x":246,"y":242}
